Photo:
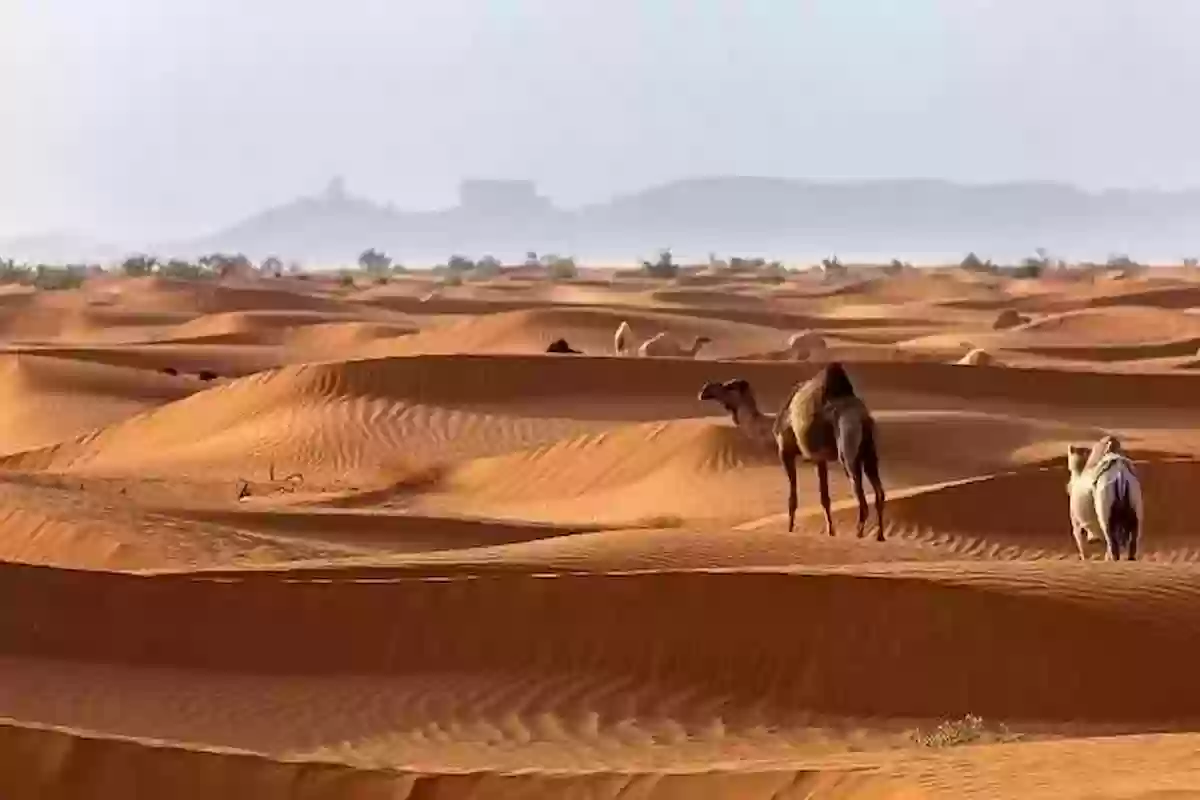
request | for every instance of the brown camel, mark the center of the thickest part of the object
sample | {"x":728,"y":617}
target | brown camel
{"x":824,"y":420}
{"x":561,"y":346}
{"x":821,"y":421}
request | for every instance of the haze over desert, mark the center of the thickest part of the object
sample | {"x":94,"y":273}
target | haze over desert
{"x":395,"y":549}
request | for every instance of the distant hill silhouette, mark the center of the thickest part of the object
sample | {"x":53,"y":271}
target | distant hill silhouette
{"x":782,"y":218}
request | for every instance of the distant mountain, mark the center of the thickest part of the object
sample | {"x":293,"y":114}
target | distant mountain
{"x":781,"y":218}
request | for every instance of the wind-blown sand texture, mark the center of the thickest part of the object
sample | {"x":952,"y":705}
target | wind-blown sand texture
{"x":396,"y":550}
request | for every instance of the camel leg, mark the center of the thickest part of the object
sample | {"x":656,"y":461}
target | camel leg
{"x":1112,"y":548}
{"x":787,"y":456}
{"x":823,"y":482}
{"x":870,"y":464}
{"x":856,"y":478}
{"x":1077,"y":532}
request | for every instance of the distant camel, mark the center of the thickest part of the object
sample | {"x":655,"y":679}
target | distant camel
{"x":977,"y":357}
{"x":823,"y":420}
{"x":1105,"y":498}
{"x":561,"y":346}
{"x":663,"y":344}
{"x":623,"y":343}
{"x":806,"y":344}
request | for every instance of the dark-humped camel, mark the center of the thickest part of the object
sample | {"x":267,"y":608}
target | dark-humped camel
{"x":823,"y":420}
{"x":561,"y":346}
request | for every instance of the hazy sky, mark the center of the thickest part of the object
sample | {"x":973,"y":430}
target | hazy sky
{"x":156,"y":118}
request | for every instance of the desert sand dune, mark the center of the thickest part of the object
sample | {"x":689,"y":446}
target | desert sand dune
{"x":394,"y":549}
{"x":45,"y":400}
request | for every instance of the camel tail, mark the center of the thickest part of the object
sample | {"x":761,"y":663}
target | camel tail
{"x":1121,"y":517}
{"x":869,"y":451}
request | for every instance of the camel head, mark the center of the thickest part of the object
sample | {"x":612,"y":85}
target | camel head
{"x":732,"y":395}
{"x":1076,"y":458}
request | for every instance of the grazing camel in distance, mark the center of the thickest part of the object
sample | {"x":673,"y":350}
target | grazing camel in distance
{"x":623,"y":344}
{"x":1105,"y":498}
{"x":663,"y":344}
{"x":977,"y":357}
{"x":806,"y":344}
{"x":561,"y":346}
{"x":738,"y":399}
{"x":823,"y":420}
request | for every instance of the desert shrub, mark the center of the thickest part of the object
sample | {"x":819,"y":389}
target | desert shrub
{"x":664,"y":267}
{"x":1121,"y":261}
{"x":452,"y":279}
{"x":47,"y":277}
{"x":346,"y":279}
{"x":968,"y":730}
{"x":1029,"y":268}
{"x":374,"y":262}
{"x":832,"y":266}
{"x":12,"y":272}
{"x":183,"y":270}
{"x":486,"y":267}
{"x":139,"y":265}
{"x":560,"y":269}
{"x":738,"y":264}
{"x":224,"y":264}
{"x":1191,"y":263}
{"x":460,"y":264}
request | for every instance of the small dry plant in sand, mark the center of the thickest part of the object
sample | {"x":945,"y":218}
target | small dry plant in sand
{"x":971,"y":729}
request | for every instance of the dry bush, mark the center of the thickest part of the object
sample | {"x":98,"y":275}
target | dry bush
{"x":971,"y":729}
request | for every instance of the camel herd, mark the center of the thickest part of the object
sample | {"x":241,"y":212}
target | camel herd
{"x":823,"y":420}
{"x":800,"y":346}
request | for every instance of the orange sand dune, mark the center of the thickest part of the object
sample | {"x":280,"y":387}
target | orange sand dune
{"x":668,"y":629}
{"x":395,"y":549}
{"x":333,"y":425}
{"x":699,"y":469}
{"x":45,"y":400}
{"x":588,"y":330}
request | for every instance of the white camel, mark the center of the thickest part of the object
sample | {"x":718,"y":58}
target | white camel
{"x":663,"y":344}
{"x":1105,"y":499}
{"x":623,"y":342}
{"x":806,"y":344}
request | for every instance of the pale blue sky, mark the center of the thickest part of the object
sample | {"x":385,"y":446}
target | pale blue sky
{"x":154,"y":118}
